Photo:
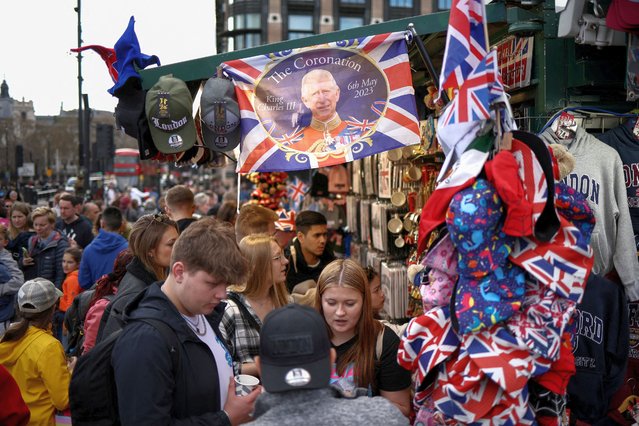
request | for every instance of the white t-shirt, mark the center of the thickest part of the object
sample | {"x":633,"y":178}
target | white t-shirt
{"x":223,"y":359}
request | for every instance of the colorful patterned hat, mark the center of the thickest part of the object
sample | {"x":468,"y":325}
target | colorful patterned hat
{"x":481,"y":303}
{"x":474,"y":221}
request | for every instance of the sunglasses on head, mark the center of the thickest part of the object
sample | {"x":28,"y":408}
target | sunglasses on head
{"x":159,"y":218}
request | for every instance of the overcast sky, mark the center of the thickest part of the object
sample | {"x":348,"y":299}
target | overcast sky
{"x":36,"y":35}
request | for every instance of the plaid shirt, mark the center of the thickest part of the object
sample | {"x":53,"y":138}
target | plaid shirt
{"x":242,"y":339}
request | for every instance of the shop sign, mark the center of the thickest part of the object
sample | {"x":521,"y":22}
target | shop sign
{"x":514,"y":55}
{"x":27,"y":170}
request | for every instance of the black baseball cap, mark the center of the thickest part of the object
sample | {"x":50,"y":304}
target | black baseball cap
{"x":294,"y":350}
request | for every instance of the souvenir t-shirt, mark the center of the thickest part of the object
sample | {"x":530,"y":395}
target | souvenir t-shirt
{"x":389,"y":376}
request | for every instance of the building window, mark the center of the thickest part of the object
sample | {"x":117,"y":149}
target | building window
{"x":243,"y":30}
{"x":398,"y":9}
{"x":444,"y":4}
{"x":401,"y":3}
{"x":299,"y":26}
{"x":244,"y":41}
{"x":351,"y":13}
{"x":247,"y":21}
{"x":346,"y":22}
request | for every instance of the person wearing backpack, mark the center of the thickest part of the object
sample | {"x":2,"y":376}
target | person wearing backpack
{"x":104,"y":292}
{"x":83,"y":316}
{"x":33,"y":356}
{"x":151,"y":242}
{"x":154,"y":389}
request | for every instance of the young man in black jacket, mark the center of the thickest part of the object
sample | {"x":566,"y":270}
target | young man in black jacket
{"x":309,"y":252}
{"x":204,"y":261}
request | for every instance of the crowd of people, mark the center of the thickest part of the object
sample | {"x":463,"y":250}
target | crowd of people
{"x":187,"y":297}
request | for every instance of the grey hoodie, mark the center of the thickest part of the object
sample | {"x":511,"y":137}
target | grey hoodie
{"x":598,"y":175}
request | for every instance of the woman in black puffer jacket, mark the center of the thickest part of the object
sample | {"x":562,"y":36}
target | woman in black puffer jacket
{"x":45,"y":249}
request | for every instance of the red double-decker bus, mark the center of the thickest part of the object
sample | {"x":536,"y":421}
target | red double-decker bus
{"x":127,"y":168}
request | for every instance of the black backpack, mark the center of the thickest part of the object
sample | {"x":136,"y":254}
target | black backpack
{"x":93,"y":396}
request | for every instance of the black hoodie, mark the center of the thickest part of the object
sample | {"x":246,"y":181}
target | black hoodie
{"x":150,"y":392}
{"x":298,"y":269}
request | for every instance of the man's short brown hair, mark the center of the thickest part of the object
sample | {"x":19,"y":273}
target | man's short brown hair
{"x":253,"y":219}
{"x":179,"y":197}
{"x":209,"y":245}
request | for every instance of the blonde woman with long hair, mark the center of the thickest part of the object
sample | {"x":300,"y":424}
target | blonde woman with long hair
{"x":344,"y":299}
{"x":248,"y":303}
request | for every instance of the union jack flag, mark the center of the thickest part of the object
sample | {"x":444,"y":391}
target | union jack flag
{"x":295,"y":136}
{"x":359,"y":126}
{"x":563,"y":264}
{"x":542,"y":320}
{"x":296,"y":191}
{"x":465,"y":42}
{"x":534,"y":182}
{"x":369,"y":71}
{"x":427,"y":342}
{"x":482,"y":87}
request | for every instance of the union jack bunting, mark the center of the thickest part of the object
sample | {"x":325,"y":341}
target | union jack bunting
{"x":371,"y":99}
{"x":482,"y":87}
{"x":465,"y":42}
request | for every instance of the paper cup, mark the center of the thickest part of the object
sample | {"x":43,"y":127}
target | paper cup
{"x":245,"y":383}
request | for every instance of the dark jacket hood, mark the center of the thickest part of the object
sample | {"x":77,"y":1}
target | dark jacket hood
{"x":137,"y":269}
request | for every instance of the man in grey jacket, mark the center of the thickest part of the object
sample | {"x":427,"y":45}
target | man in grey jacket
{"x":295,"y":366}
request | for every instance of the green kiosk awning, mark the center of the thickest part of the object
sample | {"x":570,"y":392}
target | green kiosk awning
{"x":430,"y":27}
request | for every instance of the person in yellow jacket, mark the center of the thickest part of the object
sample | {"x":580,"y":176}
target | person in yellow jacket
{"x":33,"y":356}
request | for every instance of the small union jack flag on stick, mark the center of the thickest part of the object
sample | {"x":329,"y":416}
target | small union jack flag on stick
{"x":482,"y":87}
{"x":286,"y":221}
{"x":466,"y":42}
{"x":296,"y":191}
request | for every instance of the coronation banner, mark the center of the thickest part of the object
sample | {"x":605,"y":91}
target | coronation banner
{"x":324,"y":105}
